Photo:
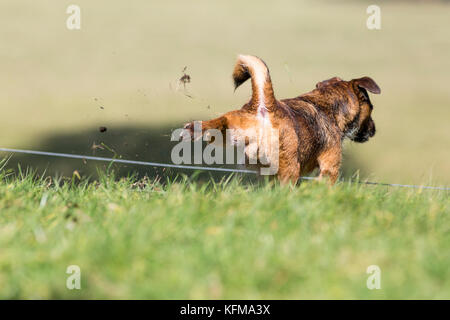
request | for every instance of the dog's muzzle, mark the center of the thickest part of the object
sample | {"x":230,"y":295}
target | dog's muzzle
{"x":366,"y":132}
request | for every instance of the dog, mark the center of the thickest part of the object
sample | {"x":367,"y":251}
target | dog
{"x":311,"y":127}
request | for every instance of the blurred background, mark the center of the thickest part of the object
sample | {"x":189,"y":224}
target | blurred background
{"x":121,"y":71}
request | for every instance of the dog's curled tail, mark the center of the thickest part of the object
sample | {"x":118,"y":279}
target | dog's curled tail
{"x":254,"y":68}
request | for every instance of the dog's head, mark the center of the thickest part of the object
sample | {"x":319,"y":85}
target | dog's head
{"x":363,"y":119}
{"x":355,"y":108}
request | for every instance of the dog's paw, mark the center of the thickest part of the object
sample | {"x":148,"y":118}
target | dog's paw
{"x":192,"y":131}
{"x":188,"y":131}
{"x":189,"y":126}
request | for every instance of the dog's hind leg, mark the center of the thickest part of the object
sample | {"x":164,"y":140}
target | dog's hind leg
{"x":218,"y":123}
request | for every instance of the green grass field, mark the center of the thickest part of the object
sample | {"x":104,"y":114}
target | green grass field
{"x":127,"y":58}
{"x":190,"y":240}
{"x":200,"y":238}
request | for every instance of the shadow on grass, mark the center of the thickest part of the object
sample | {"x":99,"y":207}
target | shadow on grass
{"x":131,"y":143}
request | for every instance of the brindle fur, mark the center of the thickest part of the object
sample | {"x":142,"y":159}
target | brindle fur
{"x":311,"y":126}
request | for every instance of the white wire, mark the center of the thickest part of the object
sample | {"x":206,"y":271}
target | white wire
{"x":141,"y":163}
{"x":167,"y":165}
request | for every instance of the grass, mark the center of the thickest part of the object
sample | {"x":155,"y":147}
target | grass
{"x":127,"y":58}
{"x":189,"y":239}
{"x":185,"y":239}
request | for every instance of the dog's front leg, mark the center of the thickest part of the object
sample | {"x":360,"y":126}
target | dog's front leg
{"x":289,"y":174}
{"x":329,"y":164}
{"x":289,"y":167}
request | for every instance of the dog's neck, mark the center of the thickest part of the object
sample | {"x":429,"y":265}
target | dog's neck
{"x":338,"y":109}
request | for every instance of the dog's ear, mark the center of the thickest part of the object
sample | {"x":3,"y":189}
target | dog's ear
{"x":324,"y":83}
{"x":368,"y":83}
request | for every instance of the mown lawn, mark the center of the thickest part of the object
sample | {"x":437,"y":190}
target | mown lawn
{"x":187,"y":239}
{"x":127,"y":59}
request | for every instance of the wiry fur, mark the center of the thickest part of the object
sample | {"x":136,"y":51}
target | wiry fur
{"x":311,"y":126}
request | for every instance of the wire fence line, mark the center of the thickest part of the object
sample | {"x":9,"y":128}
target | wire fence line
{"x":176,"y":166}
{"x":115,"y":160}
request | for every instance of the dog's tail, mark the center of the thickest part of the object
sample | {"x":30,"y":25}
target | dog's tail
{"x":254,"y":68}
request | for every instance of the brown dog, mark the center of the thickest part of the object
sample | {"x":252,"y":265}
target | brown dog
{"x":311,"y":126}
